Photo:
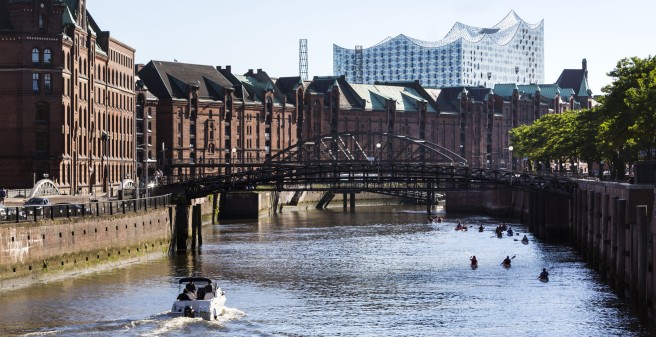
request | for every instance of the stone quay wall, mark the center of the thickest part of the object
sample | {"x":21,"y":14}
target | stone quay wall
{"x":39,"y":251}
{"x":614,"y":227}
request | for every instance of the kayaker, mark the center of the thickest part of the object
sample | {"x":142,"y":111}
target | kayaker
{"x":473,"y":260}
{"x":506,"y":261}
{"x":544,"y":275}
{"x":524,"y":239}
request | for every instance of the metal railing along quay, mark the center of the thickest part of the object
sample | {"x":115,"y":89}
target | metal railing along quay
{"x":89,"y":209}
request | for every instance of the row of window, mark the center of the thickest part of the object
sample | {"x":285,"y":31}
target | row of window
{"x":39,"y":58}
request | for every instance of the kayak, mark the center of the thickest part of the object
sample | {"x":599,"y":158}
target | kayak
{"x":544,"y":279}
{"x":506,"y":265}
{"x":474,"y":265}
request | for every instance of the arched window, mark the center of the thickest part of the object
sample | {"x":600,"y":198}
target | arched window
{"x":35,"y":55}
{"x":47,"y":56}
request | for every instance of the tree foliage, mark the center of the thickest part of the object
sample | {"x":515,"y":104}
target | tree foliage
{"x":620,"y":130}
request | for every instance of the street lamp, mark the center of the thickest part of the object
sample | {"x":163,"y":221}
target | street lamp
{"x":510,"y":158}
{"x":378,"y":145}
{"x":232,"y":160}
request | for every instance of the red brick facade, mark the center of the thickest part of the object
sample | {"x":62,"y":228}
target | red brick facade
{"x":60,"y":94}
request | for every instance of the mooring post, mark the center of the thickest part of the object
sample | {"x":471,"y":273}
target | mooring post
{"x":181,"y":226}
{"x":604,"y":239}
{"x":215,"y":198}
{"x":352,"y":197}
{"x":596,"y":231}
{"x":642,"y":232}
{"x":194,"y":227}
{"x":620,"y":271}
{"x":612,"y":262}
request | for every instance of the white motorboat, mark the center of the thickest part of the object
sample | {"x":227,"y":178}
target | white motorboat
{"x":199,"y":296}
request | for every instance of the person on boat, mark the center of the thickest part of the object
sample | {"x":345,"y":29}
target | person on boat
{"x":439,"y":220}
{"x":506,"y":261}
{"x":473,"y":260}
{"x":191,"y":287}
{"x":524,"y":239}
{"x":186,"y":296}
{"x":480,"y":228}
{"x":544,"y":275}
{"x":510,"y":231}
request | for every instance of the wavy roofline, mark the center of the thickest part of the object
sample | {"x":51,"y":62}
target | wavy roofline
{"x":501,"y":33}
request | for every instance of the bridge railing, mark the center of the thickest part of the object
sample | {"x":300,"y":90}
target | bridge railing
{"x":91,"y":209}
{"x":371,"y":176}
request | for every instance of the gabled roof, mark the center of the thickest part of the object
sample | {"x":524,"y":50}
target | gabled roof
{"x":288,"y":86}
{"x":374,"y":97}
{"x":576,"y":80}
{"x":173,"y":80}
{"x":256,"y":85}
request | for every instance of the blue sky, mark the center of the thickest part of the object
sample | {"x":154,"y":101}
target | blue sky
{"x":254,"y":34}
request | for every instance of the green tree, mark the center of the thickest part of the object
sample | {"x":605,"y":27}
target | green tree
{"x":628,"y":129}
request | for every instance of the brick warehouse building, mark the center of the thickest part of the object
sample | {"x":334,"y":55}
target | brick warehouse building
{"x":208,"y":116}
{"x":67,"y":98}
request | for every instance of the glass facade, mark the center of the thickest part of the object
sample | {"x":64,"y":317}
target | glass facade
{"x":510,"y":52}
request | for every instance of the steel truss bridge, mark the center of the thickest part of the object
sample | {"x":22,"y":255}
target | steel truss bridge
{"x":354,"y":162}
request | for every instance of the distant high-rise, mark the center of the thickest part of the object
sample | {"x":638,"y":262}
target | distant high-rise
{"x":512,"y":51}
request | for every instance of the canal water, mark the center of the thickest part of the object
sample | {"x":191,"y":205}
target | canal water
{"x":378,"y":271}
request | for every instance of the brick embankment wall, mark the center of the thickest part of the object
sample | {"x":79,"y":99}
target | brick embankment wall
{"x":32,"y":252}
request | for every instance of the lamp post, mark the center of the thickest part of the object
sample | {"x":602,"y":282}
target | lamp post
{"x":232,"y":160}
{"x":91,"y":177}
{"x":510,"y":157}
{"x":378,"y":146}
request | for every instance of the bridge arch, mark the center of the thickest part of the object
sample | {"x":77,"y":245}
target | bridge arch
{"x":44,"y":187}
{"x":368,"y":146}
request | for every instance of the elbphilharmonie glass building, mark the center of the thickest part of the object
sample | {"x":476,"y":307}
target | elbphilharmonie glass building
{"x":512,"y":51}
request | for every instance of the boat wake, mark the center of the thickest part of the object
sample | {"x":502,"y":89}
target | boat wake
{"x":165,"y":323}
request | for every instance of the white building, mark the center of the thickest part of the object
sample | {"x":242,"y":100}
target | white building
{"x":512,"y":51}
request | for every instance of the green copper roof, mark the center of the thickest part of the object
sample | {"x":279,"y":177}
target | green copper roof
{"x":68,"y":17}
{"x":375,"y":96}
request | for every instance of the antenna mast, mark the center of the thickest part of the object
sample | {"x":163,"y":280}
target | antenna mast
{"x":303,"y":59}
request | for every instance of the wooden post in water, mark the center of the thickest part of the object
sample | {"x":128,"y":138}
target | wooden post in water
{"x":194,"y":226}
{"x":589,"y":234}
{"x":215,"y":198}
{"x":345,"y":201}
{"x":605,"y":240}
{"x":612,"y":263}
{"x":596,"y":231}
{"x":352,"y":201}
{"x":181,"y":226}
{"x":199,"y":224}
{"x":642,"y":232}
{"x":620,"y":271}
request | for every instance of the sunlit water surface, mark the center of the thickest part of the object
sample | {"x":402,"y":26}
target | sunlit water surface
{"x":374,"y":272}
